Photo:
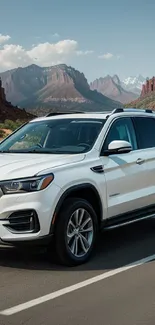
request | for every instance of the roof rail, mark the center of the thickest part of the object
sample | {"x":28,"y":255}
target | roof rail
{"x":117,"y":110}
{"x":63,"y":113}
{"x":148,"y":111}
{"x":132,"y":109}
{"x":121,"y":110}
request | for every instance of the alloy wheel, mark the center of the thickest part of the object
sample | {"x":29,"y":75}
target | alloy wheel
{"x":80,"y":233}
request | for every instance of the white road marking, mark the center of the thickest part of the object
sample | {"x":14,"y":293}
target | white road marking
{"x":5,"y":246}
{"x":64,"y":291}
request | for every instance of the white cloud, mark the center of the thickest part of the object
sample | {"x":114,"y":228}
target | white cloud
{"x":4,"y":38}
{"x":120,"y":56}
{"x":56,"y":35}
{"x":84,"y":52}
{"x":106,"y":56}
{"x":43,"y":54}
{"x":12,"y":56}
{"x":109,"y":56}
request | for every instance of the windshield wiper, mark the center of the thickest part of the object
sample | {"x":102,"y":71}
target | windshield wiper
{"x":25,"y":151}
{"x":37,"y":151}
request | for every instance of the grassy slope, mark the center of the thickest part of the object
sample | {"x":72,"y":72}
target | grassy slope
{"x":144,"y":102}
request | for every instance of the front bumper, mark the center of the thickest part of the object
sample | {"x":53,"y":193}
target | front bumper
{"x":32,"y":243}
{"x":43,"y":204}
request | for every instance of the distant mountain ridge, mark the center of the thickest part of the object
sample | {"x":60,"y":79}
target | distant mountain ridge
{"x":112,"y":88}
{"x":133,"y":84}
{"x":57,"y":87}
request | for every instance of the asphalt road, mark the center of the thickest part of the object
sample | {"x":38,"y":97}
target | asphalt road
{"x":124,"y":298}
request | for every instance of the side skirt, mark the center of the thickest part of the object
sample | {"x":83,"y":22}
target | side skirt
{"x":129,"y":218}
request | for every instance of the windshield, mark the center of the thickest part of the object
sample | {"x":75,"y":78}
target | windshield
{"x":68,"y":136}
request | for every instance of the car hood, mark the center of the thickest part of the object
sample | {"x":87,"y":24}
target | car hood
{"x":27,"y":165}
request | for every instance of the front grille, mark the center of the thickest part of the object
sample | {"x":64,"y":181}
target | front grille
{"x":23,"y":221}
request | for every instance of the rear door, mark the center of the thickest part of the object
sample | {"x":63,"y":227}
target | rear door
{"x":125,"y":173}
{"x":145,"y":131}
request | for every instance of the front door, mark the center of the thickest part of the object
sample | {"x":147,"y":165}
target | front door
{"x":125,"y":173}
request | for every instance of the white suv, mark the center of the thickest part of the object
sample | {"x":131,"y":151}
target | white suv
{"x":65,"y":177}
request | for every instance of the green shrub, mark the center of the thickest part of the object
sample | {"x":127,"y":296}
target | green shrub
{"x":11,"y":125}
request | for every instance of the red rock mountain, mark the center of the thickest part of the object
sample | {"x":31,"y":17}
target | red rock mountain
{"x":148,"y":87}
{"x":147,"y":96}
{"x":53,"y":88}
{"x":8,"y":111}
{"x":111,"y":87}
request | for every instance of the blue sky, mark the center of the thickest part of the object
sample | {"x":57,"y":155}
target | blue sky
{"x":122,"y":29}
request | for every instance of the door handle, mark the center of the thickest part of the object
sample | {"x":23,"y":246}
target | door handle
{"x":140,"y":161}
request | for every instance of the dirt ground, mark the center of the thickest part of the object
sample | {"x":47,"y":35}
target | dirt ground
{"x":7,"y":132}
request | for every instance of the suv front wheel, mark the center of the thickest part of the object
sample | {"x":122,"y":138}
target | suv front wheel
{"x":75,"y":232}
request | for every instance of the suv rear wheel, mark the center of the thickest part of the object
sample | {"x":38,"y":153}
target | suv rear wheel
{"x":75,"y":232}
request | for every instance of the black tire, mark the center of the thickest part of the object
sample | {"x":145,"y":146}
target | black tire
{"x":64,"y":254}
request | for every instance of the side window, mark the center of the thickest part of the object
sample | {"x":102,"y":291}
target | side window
{"x":121,"y":129}
{"x":145,"y":129}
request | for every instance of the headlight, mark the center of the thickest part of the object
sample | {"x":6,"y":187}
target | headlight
{"x":24,"y":185}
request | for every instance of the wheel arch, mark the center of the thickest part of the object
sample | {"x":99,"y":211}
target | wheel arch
{"x":85,"y":191}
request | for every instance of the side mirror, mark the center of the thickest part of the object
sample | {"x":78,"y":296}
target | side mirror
{"x":118,"y":147}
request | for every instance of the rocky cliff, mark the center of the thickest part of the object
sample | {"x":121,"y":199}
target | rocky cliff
{"x":57,"y":87}
{"x":111,"y":87}
{"x":147,"y":96}
{"x":148,"y":87}
{"x":8,"y":111}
